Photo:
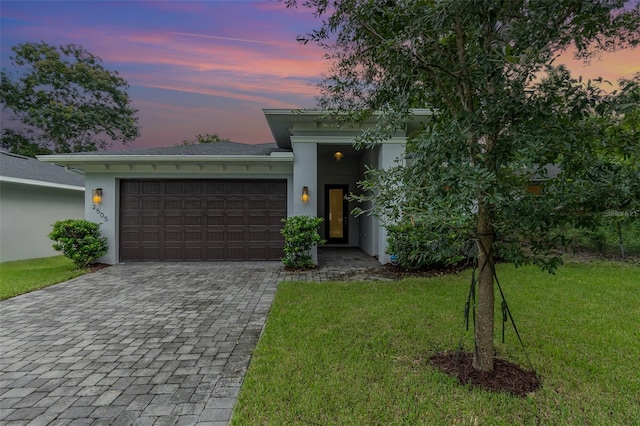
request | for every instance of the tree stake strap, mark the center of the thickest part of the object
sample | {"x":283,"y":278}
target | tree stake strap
{"x":470,"y":307}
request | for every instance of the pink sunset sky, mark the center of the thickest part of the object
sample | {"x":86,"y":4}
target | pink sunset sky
{"x":198,"y":67}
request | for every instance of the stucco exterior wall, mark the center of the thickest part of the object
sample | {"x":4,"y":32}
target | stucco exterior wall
{"x":27,"y":213}
{"x":305,"y":173}
{"x":368,"y":224}
{"x":388,"y":155}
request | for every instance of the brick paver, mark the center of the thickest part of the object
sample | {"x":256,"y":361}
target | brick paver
{"x":138,"y":344}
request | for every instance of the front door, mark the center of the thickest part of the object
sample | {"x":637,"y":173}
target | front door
{"x":336,"y":214}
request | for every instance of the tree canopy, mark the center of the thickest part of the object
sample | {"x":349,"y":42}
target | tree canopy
{"x":206,"y":138}
{"x":504,"y":116}
{"x":62,"y":99}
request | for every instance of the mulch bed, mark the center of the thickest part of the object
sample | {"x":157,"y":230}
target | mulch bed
{"x":505,"y":377}
{"x":399,"y":273}
{"x":97,"y":266}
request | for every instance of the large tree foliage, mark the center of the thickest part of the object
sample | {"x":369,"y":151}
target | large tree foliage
{"x":503,"y":115}
{"x":64,"y":100}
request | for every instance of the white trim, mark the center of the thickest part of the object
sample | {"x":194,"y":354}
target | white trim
{"x":110,"y":158}
{"x":341,"y":140}
{"x":40,"y":183}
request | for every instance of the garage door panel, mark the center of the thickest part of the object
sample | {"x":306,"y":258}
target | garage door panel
{"x":172,"y":254}
{"x":258,"y":204}
{"x":130,"y":236}
{"x":257,"y":253}
{"x":172,"y":219}
{"x":259,"y":236}
{"x":194,"y":252}
{"x":274,"y":221}
{"x":236,"y":252}
{"x":235,"y":219}
{"x":193,"y":236}
{"x":191,"y":220}
{"x":276,"y":237}
{"x":215,"y":204}
{"x":216,"y":252}
{"x":201,"y":219}
{"x":150,"y":220}
{"x":171,"y":203}
{"x":235,"y":236}
{"x":215,"y":235}
{"x":130,"y":219}
{"x":235,"y":204}
{"x":151,"y":236}
{"x":215,"y":220}
{"x":150,"y":204}
{"x":173,"y":187}
{"x":193,"y":204}
{"x":130,"y":203}
{"x":173,"y":236}
{"x":257,"y":220}
{"x":150,"y":253}
{"x":150,"y":188}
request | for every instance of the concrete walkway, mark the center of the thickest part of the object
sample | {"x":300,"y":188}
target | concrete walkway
{"x":142,"y":344}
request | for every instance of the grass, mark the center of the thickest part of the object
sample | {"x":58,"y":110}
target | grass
{"x":357,"y":353}
{"x":22,"y":276}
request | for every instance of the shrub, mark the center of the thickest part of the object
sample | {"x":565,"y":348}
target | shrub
{"x":423,"y":245}
{"x":300,"y":234}
{"x":79,"y":240}
{"x":614,"y":235}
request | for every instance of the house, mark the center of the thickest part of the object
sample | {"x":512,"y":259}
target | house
{"x":225,"y":200}
{"x":33,"y":196}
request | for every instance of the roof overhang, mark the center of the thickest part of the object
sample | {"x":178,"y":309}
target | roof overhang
{"x":40,"y":183}
{"x":282,"y":122}
{"x":110,"y":161}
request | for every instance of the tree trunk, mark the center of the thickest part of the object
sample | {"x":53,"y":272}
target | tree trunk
{"x":483,"y":355}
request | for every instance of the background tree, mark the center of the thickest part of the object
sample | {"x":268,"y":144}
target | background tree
{"x":502,"y":114}
{"x":206,"y":138}
{"x":65,"y":100}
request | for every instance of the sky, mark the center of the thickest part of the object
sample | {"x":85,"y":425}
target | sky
{"x":197,"y":67}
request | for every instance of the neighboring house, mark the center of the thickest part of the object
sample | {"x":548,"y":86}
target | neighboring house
{"x":225,"y":200}
{"x":33,"y":196}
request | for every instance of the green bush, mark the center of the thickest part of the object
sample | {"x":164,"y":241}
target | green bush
{"x":423,"y":245}
{"x":300,"y":235}
{"x":79,"y":240}
{"x":615,"y":235}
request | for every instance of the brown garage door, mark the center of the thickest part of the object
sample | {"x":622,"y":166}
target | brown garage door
{"x":182,"y":220}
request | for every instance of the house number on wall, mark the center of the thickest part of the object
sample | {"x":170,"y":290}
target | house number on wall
{"x":100,"y":213}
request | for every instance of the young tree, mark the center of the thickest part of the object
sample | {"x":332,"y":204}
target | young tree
{"x":65,"y":100}
{"x":503,"y":115}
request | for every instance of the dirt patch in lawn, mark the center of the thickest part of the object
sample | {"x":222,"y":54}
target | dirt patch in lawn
{"x":505,"y":377}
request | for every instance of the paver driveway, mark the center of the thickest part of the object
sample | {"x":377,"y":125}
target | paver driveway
{"x":134,"y":344}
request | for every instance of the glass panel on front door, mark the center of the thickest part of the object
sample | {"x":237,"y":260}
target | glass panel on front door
{"x":336,"y":213}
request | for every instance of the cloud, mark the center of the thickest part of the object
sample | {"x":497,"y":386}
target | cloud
{"x":231,"y":39}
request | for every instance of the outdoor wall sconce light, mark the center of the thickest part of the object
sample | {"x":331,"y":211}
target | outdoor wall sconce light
{"x":96,"y":196}
{"x":338,"y":155}
{"x":305,"y":194}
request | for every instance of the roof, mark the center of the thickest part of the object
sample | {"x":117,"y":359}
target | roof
{"x":19,"y":169}
{"x":283,"y":121}
{"x":222,"y":148}
{"x":202,"y":156}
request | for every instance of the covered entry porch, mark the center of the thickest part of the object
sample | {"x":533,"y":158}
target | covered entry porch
{"x":327,"y":167}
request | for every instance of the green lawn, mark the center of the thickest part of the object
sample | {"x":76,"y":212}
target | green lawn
{"x":357,"y":353}
{"x":22,"y":276}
